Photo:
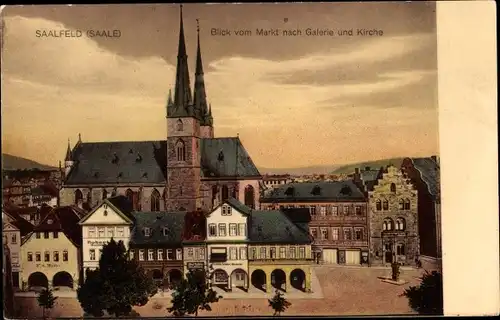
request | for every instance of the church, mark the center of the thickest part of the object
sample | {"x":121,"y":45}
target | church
{"x":189,"y":170}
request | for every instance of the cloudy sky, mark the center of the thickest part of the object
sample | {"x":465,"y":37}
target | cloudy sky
{"x":294,"y":101}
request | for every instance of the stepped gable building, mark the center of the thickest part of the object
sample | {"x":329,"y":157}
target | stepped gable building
{"x":191,"y":169}
{"x":424,"y":173}
{"x":156,"y":243}
{"x":339,"y":218}
{"x":393,"y":219}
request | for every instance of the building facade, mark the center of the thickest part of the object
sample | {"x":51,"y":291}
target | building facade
{"x":279,"y":253}
{"x":424,"y":173}
{"x":111,"y":219}
{"x":188,"y":170}
{"x":194,"y":246}
{"x":14,"y":229}
{"x":156,"y":243}
{"x":393,"y":219}
{"x":50,"y":255}
{"x":339,"y":218}
{"x":227,"y":244}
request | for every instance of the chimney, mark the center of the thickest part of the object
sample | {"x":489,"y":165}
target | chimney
{"x":356,"y":170}
{"x":367,"y":168}
{"x":434,"y":158}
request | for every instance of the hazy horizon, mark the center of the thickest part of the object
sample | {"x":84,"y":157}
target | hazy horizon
{"x":294,"y":101}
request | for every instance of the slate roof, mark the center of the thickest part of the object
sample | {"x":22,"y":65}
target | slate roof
{"x":315,"y":191}
{"x":19,"y":222}
{"x":430,"y":173}
{"x":226,"y":157}
{"x":65,"y":219}
{"x":238,"y":206}
{"x":118,"y":162}
{"x":275,"y":227}
{"x":156,"y":221}
{"x":146,"y":161}
{"x":123,"y":204}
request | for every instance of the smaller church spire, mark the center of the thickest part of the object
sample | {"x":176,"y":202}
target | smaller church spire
{"x":68,"y":153}
{"x":170,"y":101}
{"x":79,"y":138}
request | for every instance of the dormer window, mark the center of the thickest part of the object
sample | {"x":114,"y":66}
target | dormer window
{"x":290,"y":191}
{"x":120,"y":175}
{"x":145,"y":175}
{"x":226,"y":210}
{"x":316,"y":190}
{"x":346,"y":190}
{"x":139,"y":158}
{"x":259,"y":228}
{"x":165,"y":231}
{"x":96,"y":174}
{"x":220,"y":157}
{"x":146,"y":231}
{"x":131,"y":151}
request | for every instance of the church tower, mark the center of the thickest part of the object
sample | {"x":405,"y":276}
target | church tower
{"x":68,"y":161}
{"x":183,"y":139}
{"x":201,"y":107}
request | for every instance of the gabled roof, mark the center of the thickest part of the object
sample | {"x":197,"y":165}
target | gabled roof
{"x":64,"y":219}
{"x":275,"y":227}
{"x":430,"y":172}
{"x":173,"y":222}
{"x":315,"y":191}
{"x":121,"y":206}
{"x":238,"y":206}
{"x":226,"y":157}
{"x":118,"y":162}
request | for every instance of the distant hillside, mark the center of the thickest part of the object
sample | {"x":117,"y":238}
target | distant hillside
{"x":299,"y":171}
{"x":349,"y":168}
{"x":10,"y":162}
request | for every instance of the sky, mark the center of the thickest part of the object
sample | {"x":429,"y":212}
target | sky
{"x":294,"y":101}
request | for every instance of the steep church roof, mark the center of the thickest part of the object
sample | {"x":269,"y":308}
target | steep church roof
{"x":226,"y":157}
{"x":118,"y":163}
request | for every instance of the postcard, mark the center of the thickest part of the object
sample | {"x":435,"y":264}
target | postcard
{"x":222,"y":160}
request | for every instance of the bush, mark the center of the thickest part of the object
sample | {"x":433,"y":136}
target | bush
{"x":427,"y":298}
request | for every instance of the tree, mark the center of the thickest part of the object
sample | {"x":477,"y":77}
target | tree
{"x":192,"y":294}
{"x":279,"y":303}
{"x":117,"y":285}
{"x":427,"y":298}
{"x":46,"y":300}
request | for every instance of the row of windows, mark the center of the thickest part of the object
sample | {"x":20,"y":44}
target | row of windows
{"x":107,"y":232}
{"x":220,"y":230}
{"x":333,"y":233}
{"x":234,"y":253}
{"x":329,"y":209}
{"x":46,"y":235}
{"x":134,"y":197}
{"x":198,"y":254}
{"x":400,"y":249}
{"x":157,"y":254}
{"x":389,"y":224}
{"x":13,"y":238}
{"x":404,"y":204}
{"x":277,"y":253}
{"x":47,"y":256}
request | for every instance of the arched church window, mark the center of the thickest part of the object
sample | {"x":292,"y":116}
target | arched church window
{"x":179,"y":126}
{"x":250,"y":196}
{"x":180,"y":148}
{"x":225,"y":193}
{"x":130,"y":195}
{"x":155,"y":200}
{"x":78,"y":197}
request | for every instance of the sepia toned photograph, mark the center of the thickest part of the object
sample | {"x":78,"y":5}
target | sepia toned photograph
{"x":221,"y":160}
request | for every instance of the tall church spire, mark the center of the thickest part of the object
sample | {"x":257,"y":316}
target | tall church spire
{"x":200,"y":96}
{"x":182,"y":93}
{"x":68,"y":153}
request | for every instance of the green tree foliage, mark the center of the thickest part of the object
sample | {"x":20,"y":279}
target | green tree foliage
{"x":117,"y":285}
{"x":427,"y":298}
{"x":279,"y":303}
{"x":192,"y":294}
{"x":46,"y":300}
